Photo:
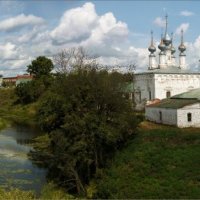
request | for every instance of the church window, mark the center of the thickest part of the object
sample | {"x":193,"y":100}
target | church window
{"x":168,"y":94}
{"x":160,"y":115}
{"x":189,"y":117}
{"x":149,"y":95}
{"x":140,"y":97}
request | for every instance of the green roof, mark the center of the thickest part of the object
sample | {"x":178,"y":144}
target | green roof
{"x":180,"y":100}
{"x":174,"y":103}
{"x":192,"y":94}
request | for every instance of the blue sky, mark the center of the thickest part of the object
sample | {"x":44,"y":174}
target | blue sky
{"x":117,"y":31}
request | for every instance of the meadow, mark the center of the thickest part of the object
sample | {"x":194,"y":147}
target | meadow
{"x":160,"y":162}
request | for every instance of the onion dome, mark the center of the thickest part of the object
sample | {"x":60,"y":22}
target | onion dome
{"x":161,"y":46}
{"x":182,"y":47}
{"x":152,"y":48}
{"x":167,"y":40}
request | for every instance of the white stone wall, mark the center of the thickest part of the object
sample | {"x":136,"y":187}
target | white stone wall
{"x":144,"y":83}
{"x":169,"y":116}
{"x":182,"y":62}
{"x":175,"y":83}
{"x":160,"y":84}
{"x":183,"y":118}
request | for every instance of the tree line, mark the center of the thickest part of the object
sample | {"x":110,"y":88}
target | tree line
{"x":83,"y":110}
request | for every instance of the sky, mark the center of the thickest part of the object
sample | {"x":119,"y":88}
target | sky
{"x":117,"y":32}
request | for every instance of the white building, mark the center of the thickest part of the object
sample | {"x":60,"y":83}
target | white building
{"x":181,"y":110}
{"x":164,"y":78}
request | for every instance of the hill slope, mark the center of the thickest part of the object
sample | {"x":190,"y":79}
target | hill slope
{"x":162,"y":162}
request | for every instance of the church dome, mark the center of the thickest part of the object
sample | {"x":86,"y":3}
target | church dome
{"x":161,"y":46}
{"x":182,"y":47}
{"x":167,"y":40}
{"x":152,"y":48}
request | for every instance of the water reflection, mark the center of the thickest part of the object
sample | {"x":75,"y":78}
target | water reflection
{"x":16,"y":170}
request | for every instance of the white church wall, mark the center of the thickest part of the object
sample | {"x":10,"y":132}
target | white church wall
{"x":175,"y":84}
{"x":161,"y":115}
{"x":159,"y":84}
{"x":144,"y":89}
{"x":182,"y":115}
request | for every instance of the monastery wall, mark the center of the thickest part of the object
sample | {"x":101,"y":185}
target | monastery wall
{"x":161,"y":115}
{"x":182,"y":115}
{"x":175,"y":84}
{"x":144,"y":89}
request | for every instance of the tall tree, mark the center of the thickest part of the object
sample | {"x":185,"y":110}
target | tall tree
{"x":40,"y":66}
{"x":72,"y":59}
{"x":87,"y":119}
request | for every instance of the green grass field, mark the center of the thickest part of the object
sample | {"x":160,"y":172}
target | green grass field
{"x":161,"y":162}
{"x":12,"y":112}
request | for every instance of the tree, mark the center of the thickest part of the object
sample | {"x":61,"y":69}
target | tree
{"x":87,"y":119}
{"x":73,"y":59}
{"x":30,"y":91}
{"x":41,"y":66}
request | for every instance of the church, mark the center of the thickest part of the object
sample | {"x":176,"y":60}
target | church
{"x":166,"y":77}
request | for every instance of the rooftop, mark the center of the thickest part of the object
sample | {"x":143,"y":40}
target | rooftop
{"x":174,"y":103}
{"x":169,"y":70}
{"x":180,"y":100}
{"x":192,"y":94}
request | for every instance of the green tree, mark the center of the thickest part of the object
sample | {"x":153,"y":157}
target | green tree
{"x":88,"y":119}
{"x":40,"y":66}
{"x":31,"y":91}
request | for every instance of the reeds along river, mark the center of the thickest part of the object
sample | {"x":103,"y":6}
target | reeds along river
{"x":16,"y":170}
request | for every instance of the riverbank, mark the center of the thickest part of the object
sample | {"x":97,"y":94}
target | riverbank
{"x":11,"y":112}
{"x":49,"y":191}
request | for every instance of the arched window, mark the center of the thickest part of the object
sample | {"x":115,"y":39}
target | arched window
{"x":168,"y":94}
{"x":160,"y":115}
{"x":149,"y":95}
{"x":189,"y":117}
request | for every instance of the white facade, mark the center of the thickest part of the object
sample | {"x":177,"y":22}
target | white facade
{"x":162,"y":61}
{"x":182,"y":116}
{"x":187,"y":116}
{"x":152,"y":62}
{"x":149,"y":86}
{"x":182,"y":62}
{"x":161,"y":115}
{"x":166,"y":78}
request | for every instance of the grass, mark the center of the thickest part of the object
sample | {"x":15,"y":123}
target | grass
{"x":161,"y":162}
{"x":49,"y":191}
{"x":15,"y":113}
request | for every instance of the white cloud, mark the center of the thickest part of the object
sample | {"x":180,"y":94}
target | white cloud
{"x":20,"y":21}
{"x":192,"y":53}
{"x":101,"y":35}
{"x":186,"y":13}
{"x":8,"y":51}
{"x":183,"y":27}
{"x":108,"y":32}
{"x":159,"y":22}
{"x":75,"y":24}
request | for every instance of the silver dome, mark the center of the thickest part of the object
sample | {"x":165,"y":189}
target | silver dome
{"x":167,"y":40}
{"x":182,"y":47}
{"x":152,"y":48}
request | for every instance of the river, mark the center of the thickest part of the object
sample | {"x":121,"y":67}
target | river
{"x":16,"y":170}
